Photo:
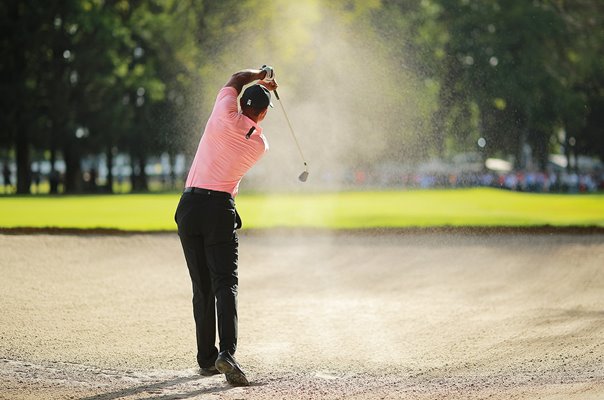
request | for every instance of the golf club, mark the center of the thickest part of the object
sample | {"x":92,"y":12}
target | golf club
{"x":304,"y":175}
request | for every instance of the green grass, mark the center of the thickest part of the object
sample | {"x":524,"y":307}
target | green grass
{"x":422,"y":208}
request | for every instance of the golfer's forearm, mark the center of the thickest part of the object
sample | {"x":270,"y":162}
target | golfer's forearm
{"x":240,"y":79}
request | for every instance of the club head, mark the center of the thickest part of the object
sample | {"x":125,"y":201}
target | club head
{"x":303,"y":176}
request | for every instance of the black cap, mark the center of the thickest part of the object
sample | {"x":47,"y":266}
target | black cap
{"x":256,"y":96}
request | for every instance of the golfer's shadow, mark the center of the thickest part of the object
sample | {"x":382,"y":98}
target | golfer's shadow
{"x":159,"y":386}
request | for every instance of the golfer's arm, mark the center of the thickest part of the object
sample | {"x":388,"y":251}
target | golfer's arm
{"x":240,"y":79}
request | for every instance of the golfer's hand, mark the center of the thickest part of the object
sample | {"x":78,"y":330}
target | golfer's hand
{"x":269,"y":73}
{"x":272,"y":85}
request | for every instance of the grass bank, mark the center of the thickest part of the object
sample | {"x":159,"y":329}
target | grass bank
{"x":346,"y":210}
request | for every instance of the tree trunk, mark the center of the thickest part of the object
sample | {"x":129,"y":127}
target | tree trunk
{"x":175,"y":184}
{"x":23,"y":167}
{"x":521,"y":146}
{"x":538,"y":140}
{"x":53,"y":178}
{"x":138,"y":177}
{"x":144,"y":185}
{"x":73,"y":171}
{"x":568,"y":154}
{"x":133,"y":175}
{"x":109,"y":185}
{"x":438,"y":133}
{"x":21,"y":120}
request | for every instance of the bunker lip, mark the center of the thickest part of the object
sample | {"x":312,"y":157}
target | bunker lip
{"x":449,"y":229}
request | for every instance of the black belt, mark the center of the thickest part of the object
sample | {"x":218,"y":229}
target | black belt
{"x":207,"y":192}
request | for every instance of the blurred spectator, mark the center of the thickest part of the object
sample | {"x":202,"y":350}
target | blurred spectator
{"x":54,"y":179}
{"x":529,"y":181}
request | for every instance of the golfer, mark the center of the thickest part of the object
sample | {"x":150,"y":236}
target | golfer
{"x":207,"y":220}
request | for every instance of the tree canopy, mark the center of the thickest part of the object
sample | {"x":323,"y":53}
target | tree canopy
{"x":390,"y":80}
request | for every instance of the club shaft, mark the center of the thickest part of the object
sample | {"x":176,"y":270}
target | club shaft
{"x":290,"y":128}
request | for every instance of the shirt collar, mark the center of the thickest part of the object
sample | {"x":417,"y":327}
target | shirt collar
{"x":249,"y":123}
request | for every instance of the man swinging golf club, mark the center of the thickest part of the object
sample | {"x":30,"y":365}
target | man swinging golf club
{"x":207,"y":219}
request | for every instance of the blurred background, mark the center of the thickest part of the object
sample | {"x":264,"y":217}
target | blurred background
{"x":111,"y":96}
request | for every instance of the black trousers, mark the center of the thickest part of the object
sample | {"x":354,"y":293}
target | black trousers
{"x":207,"y":223}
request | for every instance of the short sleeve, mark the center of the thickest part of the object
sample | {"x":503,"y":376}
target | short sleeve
{"x":226,"y":103}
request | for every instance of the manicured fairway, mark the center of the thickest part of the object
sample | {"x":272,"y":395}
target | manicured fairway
{"x":429,"y":208}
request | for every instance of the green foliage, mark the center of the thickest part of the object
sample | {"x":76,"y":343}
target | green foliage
{"x":140,"y":76}
{"x":526,"y":65}
{"x":109,"y":67}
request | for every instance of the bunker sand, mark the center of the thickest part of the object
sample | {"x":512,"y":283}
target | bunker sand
{"x":418,"y":316}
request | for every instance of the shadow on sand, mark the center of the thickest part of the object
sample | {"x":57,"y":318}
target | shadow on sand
{"x":155,"y":390}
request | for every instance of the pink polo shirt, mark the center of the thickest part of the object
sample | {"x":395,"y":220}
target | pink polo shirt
{"x":224,"y":153}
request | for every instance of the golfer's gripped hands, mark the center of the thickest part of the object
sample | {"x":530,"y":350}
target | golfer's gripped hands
{"x":272,"y":85}
{"x":269,"y":73}
{"x":269,"y":77}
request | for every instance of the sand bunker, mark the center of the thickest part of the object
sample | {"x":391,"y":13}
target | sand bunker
{"x":419,"y":316}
